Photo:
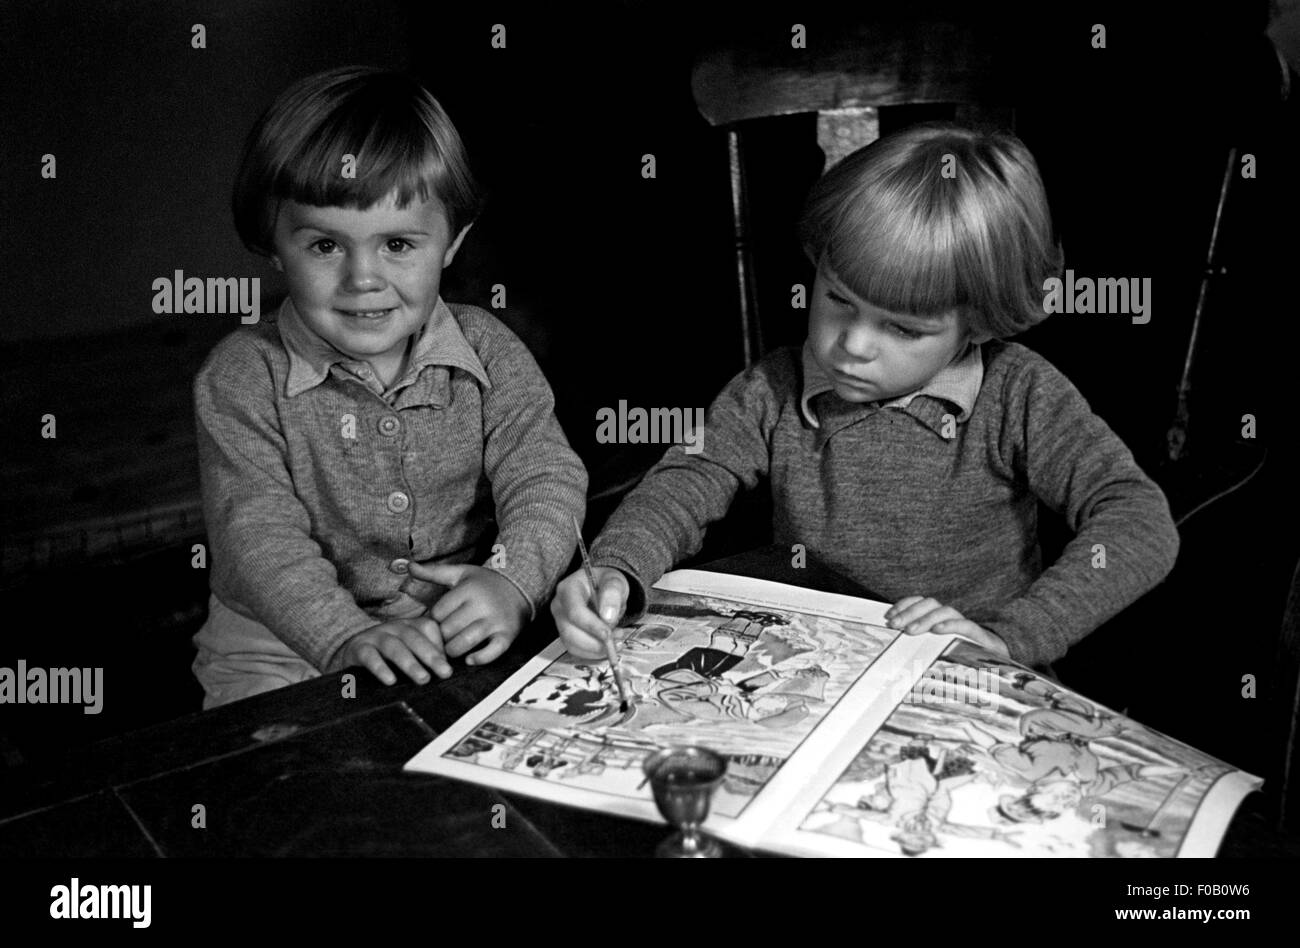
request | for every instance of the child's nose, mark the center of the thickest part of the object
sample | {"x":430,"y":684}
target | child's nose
{"x":860,"y":343}
{"x":363,"y":272}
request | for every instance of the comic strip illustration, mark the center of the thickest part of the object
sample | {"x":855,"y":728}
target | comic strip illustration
{"x":749,"y":682}
{"x":1030,"y":769}
{"x":841,"y":736}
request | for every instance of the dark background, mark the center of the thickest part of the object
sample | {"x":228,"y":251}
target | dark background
{"x":624,"y":288}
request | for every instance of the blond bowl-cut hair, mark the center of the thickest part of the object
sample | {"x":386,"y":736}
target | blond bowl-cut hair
{"x":937,"y":217}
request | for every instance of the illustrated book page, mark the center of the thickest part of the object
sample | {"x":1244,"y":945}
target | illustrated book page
{"x":987,"y":758}
{"x":771,"y":676}
{"x":842,"y":737}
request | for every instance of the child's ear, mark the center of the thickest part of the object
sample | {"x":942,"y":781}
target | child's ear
{"x":455,"y":245}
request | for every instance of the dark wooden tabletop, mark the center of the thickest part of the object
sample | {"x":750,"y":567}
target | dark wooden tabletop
{"x":305,"y":771}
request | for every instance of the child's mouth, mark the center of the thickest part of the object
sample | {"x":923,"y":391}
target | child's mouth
{"x":852,"y":380}
{"x":367,"y":313}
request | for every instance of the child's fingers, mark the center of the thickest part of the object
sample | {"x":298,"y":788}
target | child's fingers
{"x":429,"y":629}
{"x":572,"y":610}
{"x":909,"y":609}
{"x":963,"y":627}
{"x":471,"y":635}
{"x":449,"y":604}
{"x":613,"y":596}
{"x":403,"y":606}
{"x":445,"y":574}
{"x":368,"y":656}
{"x":495,"y":646}
{"x":431,"y":657}
{"x":580,"y":644}
{"x":427,"y":648}
{"x":460,"y":619}
{"x":916,"y":608}
{"x":393,"y":648}
{"x":976,"y":633}
{"x":904,"y":603}
{"x":422,"y":590}
{"x":934,"y":617}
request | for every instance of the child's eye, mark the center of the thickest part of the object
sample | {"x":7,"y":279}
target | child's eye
{"x":323,"y":246}
{"x":401,"y":244}
{"x":836,"y":298}
{"x":905,"y":332}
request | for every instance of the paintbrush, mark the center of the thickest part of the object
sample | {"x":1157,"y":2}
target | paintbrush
{"x":609,"y":633}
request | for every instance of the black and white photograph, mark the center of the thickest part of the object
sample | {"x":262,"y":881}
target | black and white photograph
{"x":439,"y":437}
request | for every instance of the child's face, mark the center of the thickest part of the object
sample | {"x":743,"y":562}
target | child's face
{"x":364,"y":281}
{"x":872,"y":354}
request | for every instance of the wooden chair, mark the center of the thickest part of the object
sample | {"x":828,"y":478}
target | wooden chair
{"x":845,"y":76}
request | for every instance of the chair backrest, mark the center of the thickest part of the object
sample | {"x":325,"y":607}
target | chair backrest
{"x":844,"y":75}
{"x":863,"y":64}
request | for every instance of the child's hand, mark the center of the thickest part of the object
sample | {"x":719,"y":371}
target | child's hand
{"x":917,"y":614}
{"x":481,"y":606}
{"x":581,"y":630}
{"x":410,"y":644}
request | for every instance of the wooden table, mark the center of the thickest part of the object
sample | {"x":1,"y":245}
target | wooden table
{"x":304,"y":771}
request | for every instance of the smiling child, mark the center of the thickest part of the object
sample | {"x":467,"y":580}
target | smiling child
{"x":365,"y":452}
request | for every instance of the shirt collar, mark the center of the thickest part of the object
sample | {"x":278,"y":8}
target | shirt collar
{"x":958,"y":383}
{"x":440,"y":342}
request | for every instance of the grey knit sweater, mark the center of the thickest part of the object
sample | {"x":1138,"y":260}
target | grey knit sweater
{"x":319,"y":485}
{"x":880,"y":494}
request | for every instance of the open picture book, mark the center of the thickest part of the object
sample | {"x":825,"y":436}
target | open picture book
{"x":842,"y":737}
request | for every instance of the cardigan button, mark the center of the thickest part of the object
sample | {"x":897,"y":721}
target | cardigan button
{"x":389,"y":425}
{"x":400,"y":565}
{"x":398,"y":502}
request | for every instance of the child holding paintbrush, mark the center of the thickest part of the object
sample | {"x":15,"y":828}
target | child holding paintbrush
{"x":907,"y":445}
